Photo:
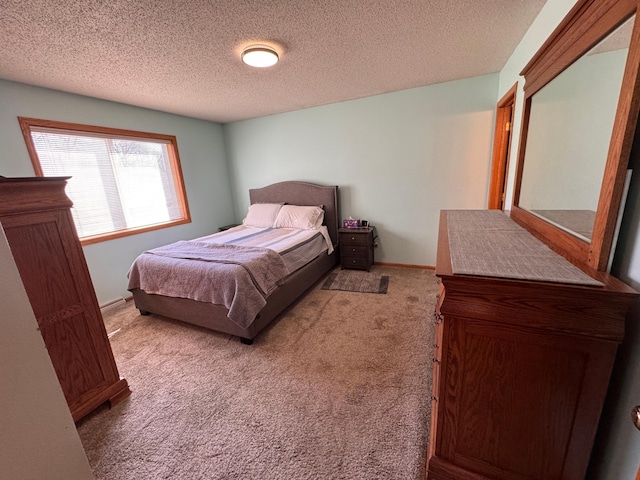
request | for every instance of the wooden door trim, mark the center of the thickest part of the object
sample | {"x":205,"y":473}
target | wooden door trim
{"x":501,"y":148}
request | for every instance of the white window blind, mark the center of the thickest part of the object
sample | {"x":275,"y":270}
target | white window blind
{"x":117,"y":183}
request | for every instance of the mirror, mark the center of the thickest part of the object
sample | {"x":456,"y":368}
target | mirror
{"x":570,"y":125}
{"x":581,"y":105}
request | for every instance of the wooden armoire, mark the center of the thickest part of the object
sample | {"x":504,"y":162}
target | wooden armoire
{"x":36,"y":218}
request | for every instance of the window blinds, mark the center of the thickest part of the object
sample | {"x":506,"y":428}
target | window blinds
{"x":117,"y":183}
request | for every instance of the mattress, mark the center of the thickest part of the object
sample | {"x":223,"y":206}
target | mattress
{"x":296,"y":247}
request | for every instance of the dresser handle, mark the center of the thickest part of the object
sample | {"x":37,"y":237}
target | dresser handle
{"x":353,"y":249}
{"x":353,"y":238}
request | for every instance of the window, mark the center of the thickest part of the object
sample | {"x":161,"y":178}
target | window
{"x":122,"y":182}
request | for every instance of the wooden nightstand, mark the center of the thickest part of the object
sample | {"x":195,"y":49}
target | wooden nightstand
{"x":356,"y":248}
{"x":227,"y":227}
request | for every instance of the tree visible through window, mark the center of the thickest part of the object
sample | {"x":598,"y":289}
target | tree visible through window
{"x":122,"y":182}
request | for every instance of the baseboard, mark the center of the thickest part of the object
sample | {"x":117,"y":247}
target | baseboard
{"x":116,"y":302}
{"x":404,"y":265}
{"x":112,"y":304}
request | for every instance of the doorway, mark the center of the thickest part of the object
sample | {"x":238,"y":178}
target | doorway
{"x":501,"y":149}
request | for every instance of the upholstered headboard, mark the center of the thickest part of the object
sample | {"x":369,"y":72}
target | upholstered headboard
{"x":303,"y":193}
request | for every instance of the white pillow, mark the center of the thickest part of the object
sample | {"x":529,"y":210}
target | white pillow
{"x":262,"y":215}
{"x":295,"y":216}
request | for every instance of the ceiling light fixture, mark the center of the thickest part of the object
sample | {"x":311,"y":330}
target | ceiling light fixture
{"x":259,"y":56}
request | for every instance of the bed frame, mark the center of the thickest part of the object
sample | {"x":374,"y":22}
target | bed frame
{"x":214,"y":316}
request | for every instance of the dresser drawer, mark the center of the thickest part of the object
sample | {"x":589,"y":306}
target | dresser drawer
{"x":435,"y":385}
{"x":354,"y":250}
{"x":440,"y":297}
{"x":355,"y":262}
{"x":355,"y":239}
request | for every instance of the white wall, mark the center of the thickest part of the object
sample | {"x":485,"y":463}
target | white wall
{"x":398,"y":158}
{"x":615,"y":455}
{"x":39,"y":439}
{"x":202,"y":154}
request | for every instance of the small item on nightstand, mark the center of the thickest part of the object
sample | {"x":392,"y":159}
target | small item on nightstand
{"x":350,"y":223}
{"x":364,"y":223}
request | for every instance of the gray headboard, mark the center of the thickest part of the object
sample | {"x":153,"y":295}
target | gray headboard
{"x":303,"y":193}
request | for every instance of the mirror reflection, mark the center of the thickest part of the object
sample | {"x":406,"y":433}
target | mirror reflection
{"x":569,"y":131}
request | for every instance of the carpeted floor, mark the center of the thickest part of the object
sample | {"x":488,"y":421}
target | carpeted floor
{"x":337,"y":388}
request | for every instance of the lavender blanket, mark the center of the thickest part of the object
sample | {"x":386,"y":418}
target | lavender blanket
{"x":237,"y":277}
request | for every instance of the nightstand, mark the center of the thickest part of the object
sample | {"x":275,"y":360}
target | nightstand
{"x":356,"y":248}
{"x":227,"y":227}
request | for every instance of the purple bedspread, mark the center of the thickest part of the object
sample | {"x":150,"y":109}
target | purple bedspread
{"x":237,"y":277}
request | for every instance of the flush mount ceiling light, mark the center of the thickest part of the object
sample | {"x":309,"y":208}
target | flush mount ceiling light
{"x":259,"y":56}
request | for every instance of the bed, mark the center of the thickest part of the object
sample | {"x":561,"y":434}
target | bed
{"x":216,"y":315}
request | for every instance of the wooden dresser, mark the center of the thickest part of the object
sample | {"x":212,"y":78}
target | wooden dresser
{"x":521,"y":371}
{"x":35,"y":215}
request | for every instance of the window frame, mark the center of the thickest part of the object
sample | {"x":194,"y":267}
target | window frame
{"x":27,"y":123}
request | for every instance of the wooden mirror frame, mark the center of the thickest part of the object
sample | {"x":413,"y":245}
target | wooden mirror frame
{"x":588,"y":22}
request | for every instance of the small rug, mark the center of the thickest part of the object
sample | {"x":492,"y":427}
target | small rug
{"x":355,"y":281}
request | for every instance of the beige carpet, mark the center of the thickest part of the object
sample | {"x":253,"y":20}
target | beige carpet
{"x":337,"y":388}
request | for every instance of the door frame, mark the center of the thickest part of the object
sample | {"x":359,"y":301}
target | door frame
{"x":501,"y":148}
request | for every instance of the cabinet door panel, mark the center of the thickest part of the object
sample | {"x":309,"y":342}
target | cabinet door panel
{"x":42,"y":262}
{"x":515,"y":418}
{"x":74,"y":358}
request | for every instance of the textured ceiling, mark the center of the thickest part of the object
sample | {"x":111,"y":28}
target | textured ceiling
{"x":183,"y":56}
